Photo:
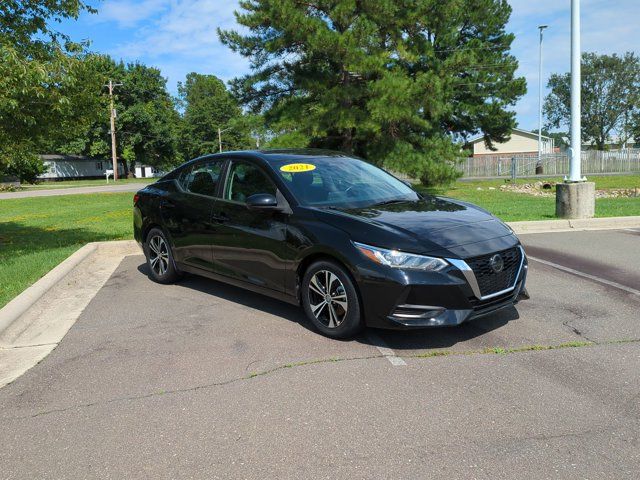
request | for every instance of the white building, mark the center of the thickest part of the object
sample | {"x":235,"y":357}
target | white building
{"x":75,"y":167}
{"x":520,"y":143}
{"x":145,"y":171}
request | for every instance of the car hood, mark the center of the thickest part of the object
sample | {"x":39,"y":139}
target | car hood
{"x":427,"y":225}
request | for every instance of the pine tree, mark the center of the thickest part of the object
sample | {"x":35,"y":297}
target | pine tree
{"x":401,"y":82}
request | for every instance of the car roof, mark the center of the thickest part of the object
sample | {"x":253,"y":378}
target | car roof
{"x":269,"y":156}
{"x":290,"y":154}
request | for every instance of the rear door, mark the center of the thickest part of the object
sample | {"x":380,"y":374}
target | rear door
{"x":187,"y":213}
{"x":249,"y":245}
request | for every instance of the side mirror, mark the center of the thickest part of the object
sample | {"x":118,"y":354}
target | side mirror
{"x":262,"y":201}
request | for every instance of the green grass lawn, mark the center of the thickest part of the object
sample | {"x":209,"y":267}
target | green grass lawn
{"x":38,"y":233}
{"x":511,"y":206}
{"x":83,"y":183}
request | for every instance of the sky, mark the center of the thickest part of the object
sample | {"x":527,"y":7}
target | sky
{"x":179,"y":36}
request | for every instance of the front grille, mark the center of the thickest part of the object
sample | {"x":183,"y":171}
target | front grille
{"x":490,"y":281}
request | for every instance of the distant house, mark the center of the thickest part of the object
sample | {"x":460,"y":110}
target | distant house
{"x":521,"y":142}
{"x":75,"y":167}
{"x":614,"y":143}
{"x":145,"y":171}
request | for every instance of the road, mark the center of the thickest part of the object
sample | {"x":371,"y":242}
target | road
{"x":203,"y":380}
{"x":123,"y":187}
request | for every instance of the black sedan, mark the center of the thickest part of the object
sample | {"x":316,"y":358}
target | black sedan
{"x":349,"y":242}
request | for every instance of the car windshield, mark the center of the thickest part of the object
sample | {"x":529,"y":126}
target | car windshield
{"x":341,"y":182}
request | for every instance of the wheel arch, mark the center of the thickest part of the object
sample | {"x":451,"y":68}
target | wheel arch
{"x":145,"y":233}
{"x":317,"y":256}
{"x":147,"y":228}
{"x":150,"y":226}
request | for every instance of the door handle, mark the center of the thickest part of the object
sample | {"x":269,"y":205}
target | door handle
{"x":220,"y":217}
{"x":166,"y":204}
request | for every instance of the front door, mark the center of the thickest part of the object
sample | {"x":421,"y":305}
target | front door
{"x":249,"y":245}
{"x":187,"y":213}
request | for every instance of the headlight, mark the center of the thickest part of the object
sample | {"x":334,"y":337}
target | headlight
{"x":396,"y":259}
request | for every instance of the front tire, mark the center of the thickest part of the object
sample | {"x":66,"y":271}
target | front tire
{"x":331,"y":301}
{"x":159,"y":257}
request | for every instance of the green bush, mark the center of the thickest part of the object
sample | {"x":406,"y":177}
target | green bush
{"x":23,"y":165}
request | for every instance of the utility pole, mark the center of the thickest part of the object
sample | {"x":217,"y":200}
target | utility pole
{"x":539,"y":164}
{"x":575,"y":198}
{"x":112,"y":110}
{"x":220,"y":132}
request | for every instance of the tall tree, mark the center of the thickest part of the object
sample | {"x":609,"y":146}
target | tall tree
{"x":208,"y":107}
{"x":610,"y":97}
{"x":41,"y":81}
{"x":27,"y":24}
{"x":147,"y":121}
{"x":398,"y":81}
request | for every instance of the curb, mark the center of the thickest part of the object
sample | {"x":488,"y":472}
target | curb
{"x":548,"y":226}
{"x":20,"y":304}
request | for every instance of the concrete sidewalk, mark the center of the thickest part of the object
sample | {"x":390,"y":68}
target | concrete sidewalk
{"x":113,"y":188}
{"x":34,"y":322}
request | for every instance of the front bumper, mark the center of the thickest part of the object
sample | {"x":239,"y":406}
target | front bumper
{"x":404,"y":299}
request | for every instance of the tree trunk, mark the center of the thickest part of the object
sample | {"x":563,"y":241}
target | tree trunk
{"x":347,"y":141}
{"x":125,"y":167}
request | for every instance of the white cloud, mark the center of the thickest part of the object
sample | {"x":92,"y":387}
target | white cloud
{"x":184,"y":39}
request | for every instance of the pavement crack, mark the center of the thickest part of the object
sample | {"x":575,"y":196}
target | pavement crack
{"x":578,"y":332}
{"x":200,"y":387}
{"x":304,"y":363}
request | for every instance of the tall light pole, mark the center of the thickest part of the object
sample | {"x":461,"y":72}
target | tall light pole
{"x":575,"y":198}
{"x":539,"y":164}
{"x":575,"y":175}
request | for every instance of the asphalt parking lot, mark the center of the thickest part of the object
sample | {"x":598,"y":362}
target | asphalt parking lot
{"x":204,"y":380}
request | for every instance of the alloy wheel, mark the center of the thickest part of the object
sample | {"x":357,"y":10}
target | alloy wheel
{"x":328,"y":298}
{"x":158,"y":255}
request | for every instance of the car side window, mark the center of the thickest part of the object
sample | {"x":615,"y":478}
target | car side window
{"x":246,"y":179}
{"x":202,"y":178}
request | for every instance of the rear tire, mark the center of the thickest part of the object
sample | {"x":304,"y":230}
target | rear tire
{"x":160,"y":258}
{"x":331,"y":301}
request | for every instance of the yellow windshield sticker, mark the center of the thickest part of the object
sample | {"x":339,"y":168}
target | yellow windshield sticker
{"x":297,"y":167}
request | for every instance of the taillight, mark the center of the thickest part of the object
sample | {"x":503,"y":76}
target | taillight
{"x":135,"y":198}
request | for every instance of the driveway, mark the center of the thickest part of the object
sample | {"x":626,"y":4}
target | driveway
{"x":114,"y":188}
{"x":204,"y":380}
